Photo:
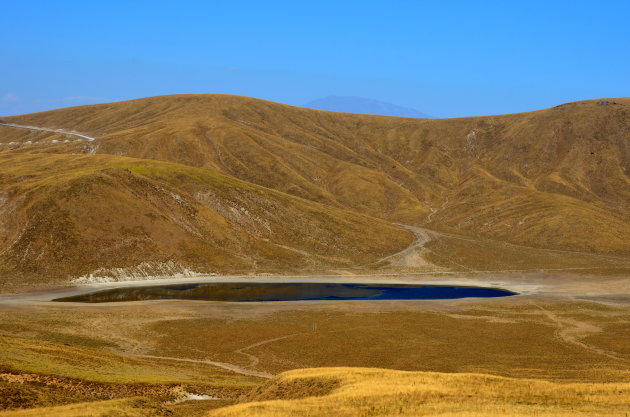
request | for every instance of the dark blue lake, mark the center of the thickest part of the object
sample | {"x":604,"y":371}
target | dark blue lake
{"x":250,"y":292}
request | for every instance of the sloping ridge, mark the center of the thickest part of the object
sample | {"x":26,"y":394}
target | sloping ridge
{"x":555,"y":178}
{"x":385,"y":392}
{"x":73,"y":215}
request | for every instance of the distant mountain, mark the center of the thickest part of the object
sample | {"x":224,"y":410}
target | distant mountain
{"x":363,"y":106}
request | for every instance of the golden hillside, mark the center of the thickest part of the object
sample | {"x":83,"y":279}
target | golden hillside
{"x":550,"y":179}
{"x":349,"y":392}
{"x":379,"y":392}
{"x":70,"y":215}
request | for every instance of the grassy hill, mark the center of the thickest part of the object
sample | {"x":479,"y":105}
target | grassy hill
{"x":70,"y":215}
{"x":377,"y":392}
{"x":550,"y":179}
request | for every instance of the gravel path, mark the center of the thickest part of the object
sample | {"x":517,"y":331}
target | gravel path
{"x":45,"y":129}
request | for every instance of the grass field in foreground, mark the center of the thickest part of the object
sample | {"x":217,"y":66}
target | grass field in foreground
{"x":548,"y":356}
{"x":50,"y":378}
{"x":377,"y":392}
{"x":129,"y":407}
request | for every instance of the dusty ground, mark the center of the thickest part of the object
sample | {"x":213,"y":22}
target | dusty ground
{"x":563,"y":328}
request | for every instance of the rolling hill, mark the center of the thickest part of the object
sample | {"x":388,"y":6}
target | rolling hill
{"x":379,"y":392}
{"x":217,"y":183}
{"x":72,"y":215}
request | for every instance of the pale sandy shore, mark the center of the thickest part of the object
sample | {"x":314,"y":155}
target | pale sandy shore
{"x":612,"y":288}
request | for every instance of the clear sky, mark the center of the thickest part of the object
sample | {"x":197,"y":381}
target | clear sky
{"x":444,"y":58}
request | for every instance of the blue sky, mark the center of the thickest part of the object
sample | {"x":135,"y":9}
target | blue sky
{"x":444,"y":58}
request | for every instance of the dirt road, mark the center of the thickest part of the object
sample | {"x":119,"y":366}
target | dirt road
{"x":45,"y":129}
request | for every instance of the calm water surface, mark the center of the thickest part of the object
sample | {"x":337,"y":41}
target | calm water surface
{"x":244,"y":292}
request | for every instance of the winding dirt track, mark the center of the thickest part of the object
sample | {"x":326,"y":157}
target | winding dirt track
{"x":45,"y":129}
{"x":228,"y":366}
{"x":411,"y":256}
{"x":243,"y":370}
{"x":254,"y":359}
{"x":571,"y":331}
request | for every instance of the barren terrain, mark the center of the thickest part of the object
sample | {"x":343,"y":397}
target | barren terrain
{"x":225,"y":184}
{"x":213,"y":188}
{"x":553,"y":331}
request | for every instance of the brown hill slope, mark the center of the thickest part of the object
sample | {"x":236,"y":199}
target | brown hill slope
{"x":68,"y":215}
{"x":555,"y":178}
{"x":385,"y":393}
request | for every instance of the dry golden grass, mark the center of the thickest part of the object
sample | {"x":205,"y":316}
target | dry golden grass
{"x":70,"y":215}
{"x":464,"y":253}
{"x":551,"y":179}
{"x":494,"y":338}
{"x":129,"y":407}
{"x":100,"y":365}
{"x":42,"y":377}
{"x":377,"y":392}
{"x":231,"y":184}
{"x":579,"y":341}
{"x":97,"y":352}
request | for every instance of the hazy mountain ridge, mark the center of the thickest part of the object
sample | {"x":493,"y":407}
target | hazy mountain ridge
{"x":362,"y":105}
